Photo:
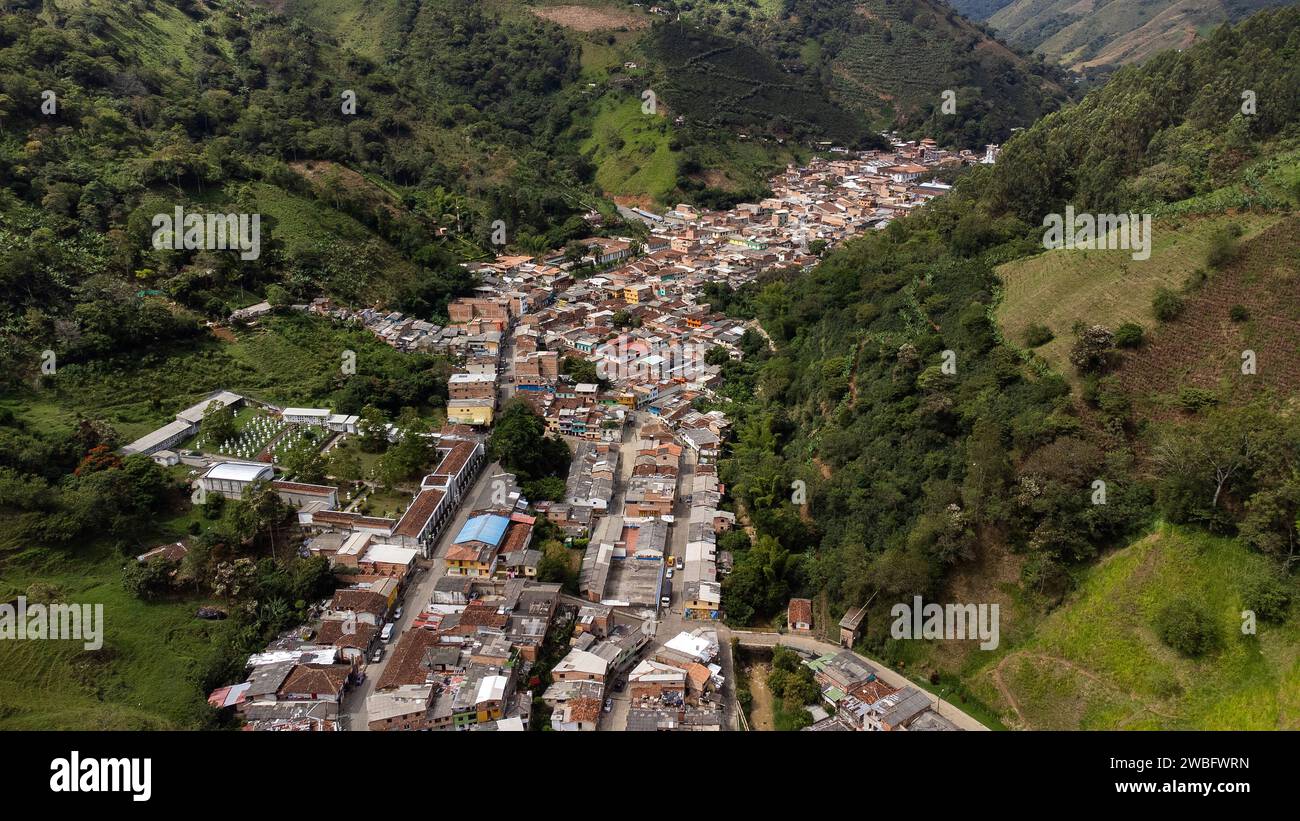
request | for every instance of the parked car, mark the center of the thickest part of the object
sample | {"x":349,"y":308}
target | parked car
{"x":609,"y":704}
{"x":378,"y":655}
{"x":681,"y":565}
{"x":670,"y":572}
{"x":397,"y":614}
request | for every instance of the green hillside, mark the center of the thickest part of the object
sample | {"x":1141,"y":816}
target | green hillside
{"x":1109,"y":33}
{"x":1097,"y":662}
{"x":939,"y":460}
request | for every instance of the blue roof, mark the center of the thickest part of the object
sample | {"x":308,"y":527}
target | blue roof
{"x":487,"y":528}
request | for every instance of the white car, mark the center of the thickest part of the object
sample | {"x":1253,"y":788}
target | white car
{"x":670,"y":573}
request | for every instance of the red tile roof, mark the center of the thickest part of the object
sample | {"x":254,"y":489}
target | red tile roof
{"x":800,"y":611}
{"x":417,"y":516}
{"x":316,"y":679}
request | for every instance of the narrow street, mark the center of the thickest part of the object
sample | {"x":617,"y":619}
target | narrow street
{"x":669,"y":621}
{"x":418,"y":594}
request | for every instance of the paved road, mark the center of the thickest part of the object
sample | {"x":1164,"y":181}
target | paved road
{"x":506,"y":371}
{"x":670,"y":621}
{"x":892,"y":678}
{"x":418,"y":594}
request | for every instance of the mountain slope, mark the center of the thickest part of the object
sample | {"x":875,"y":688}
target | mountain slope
{"x":1089,"y":34}
{"x":977,"y":482}
{"x":891,"y":61}
{"x":1097,"y":662}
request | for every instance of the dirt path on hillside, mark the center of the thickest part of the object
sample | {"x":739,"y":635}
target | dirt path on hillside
{"x":1144,"y":706}
{"x":762,"y":715}
{"x":588,"y":18}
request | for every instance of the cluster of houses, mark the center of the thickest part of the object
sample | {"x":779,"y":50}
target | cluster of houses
{"x":299,"y":681}
{"x":465,"y":662}
{"x":855,"y":698}
{"x":675,"y":687}
{"x":635,"y":308}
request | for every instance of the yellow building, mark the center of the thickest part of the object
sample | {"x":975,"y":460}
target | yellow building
{"x":470,"y":411}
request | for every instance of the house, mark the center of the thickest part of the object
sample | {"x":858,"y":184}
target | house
{"x":366,"y":606}
{"x":185,"y":425}
{"x":472,"y":386}
{"x":656,"y":681}
{"x":894,"y":712}
{"x":173,"y":552}
{"x":423,"y":520}
{"x":851,"y":626}
{"x":799,"y":616}
{"x":354,"y":639}
{"x":388,"y":560}
{"x":475,"y":550}
{"x":477,"y":412}
{"x":580,"y":665}
{"x":580,"y":714}
{"x":316,"y":417}
{"x":301,"y":495}
{"x":838,"y":673}
{"x":402,"y":708}
{"x":520,"y":564}
{"x":315,"y":682}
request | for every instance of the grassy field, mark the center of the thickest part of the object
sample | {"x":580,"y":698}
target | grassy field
{"x":630,"y":149}
{"x":1106,"y":287}
{"x":1096,"y":662}
{"x":146,"y":675}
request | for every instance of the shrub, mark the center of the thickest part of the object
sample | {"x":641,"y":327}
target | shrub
{"x":1193,"y":399}
{"x":1238,"y":313}
{"x":1129,"y":335}
{"x":1036,"y":335}
{"x":1223,"y":247}
{"x":1167,"y":305}
{"x":1185,"y":626}
{"x":1268,"y":595}
{"x":1092,"y":352}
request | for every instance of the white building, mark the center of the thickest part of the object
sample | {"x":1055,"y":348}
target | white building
{"x":307,"y":416}
{"x":230,"y":478}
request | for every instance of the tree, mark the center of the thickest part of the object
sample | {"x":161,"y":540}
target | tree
{"x":1187,"y":627}
{"x":1272,"y":521}
{"x":344,"y":464}
{"x":218,"y":425}
{"x":1129,"y":335}
{"x":557,"y":566}
{"x":1091,"y":352}
{"x":519,"y":442}
{"x":408,"y":457}
{"x":261,"y":511}
{"x":304,"y":462}
{"x":1166,"y":305}
{"x":148,"y":580}
{"x":372,"y":430}
{"x":1200,"y":464}
{"x":580,"y":370}
{"x":278,"y":296}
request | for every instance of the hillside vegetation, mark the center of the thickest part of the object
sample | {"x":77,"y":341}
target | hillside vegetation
{"x":1097,"y":662}
{"x":940,"y":460}
{"x":1108,"y":33}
